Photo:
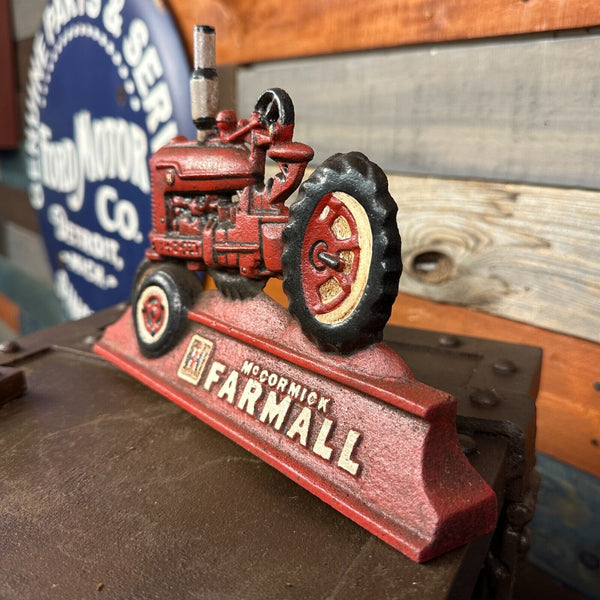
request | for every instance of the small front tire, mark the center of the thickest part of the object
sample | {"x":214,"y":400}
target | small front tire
{"x":160,"y":308}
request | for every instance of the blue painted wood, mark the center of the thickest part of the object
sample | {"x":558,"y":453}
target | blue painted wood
{"x":566,"y":526}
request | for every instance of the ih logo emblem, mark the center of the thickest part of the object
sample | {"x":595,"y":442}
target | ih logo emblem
{"x":194,"y":360}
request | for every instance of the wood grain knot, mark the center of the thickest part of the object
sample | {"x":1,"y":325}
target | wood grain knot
{"x":431,"y":266}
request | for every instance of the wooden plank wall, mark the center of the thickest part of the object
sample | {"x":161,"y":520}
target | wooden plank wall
{"x":523,"y":110}
{"x":258,"y":30}
{"x":490,"y":150}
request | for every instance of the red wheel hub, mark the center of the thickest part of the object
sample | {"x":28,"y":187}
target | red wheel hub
{"x":154,"y":314}
{"x":330,"y":255}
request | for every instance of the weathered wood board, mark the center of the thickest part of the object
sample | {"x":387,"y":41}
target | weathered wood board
{"x":256,"y":30}
{"x":527,"y":253}
{"x":524,"y":110}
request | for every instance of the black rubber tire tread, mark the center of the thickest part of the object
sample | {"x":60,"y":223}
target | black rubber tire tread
{"x":356,"y":175}
{"x":233,"y":285}
{"x":145,"y":268}
{"x":181,"y":287}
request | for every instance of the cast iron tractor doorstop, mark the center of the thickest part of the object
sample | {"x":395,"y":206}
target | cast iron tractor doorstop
{"x":313,"y":391}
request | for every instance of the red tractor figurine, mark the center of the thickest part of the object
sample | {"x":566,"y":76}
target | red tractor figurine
{"x":337,"y":248}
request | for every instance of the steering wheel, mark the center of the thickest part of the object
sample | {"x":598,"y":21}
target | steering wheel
{"x":275,"y":106}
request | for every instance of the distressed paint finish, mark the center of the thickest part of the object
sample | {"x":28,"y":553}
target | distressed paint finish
{"x":172,"y":487}
{"x":364,"y":435}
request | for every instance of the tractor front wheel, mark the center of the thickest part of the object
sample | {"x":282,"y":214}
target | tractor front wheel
{"x":160,"y":307}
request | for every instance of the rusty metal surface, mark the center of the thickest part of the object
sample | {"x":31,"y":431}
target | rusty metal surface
{"x":106,"y":486}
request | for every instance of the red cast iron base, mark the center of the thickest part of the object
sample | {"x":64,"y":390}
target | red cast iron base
{"x":359,"y":432}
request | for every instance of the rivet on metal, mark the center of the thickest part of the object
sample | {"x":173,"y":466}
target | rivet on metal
{"x":448,"y":341}
{"x":484,"y":398}
{"x":504,"y":366}
{"x":497,"y":568}
{"x":467,"y":443}
{"x":9,"y":347}
{"x":525,"y":541}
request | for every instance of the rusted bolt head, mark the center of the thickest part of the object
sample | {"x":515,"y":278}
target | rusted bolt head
{"x":504,"y":366}
{"x":10,"y":347}
{"x":448,"y":341}
{"x":525,"y":541}
{"x":484,"y":398}
{"x":519,"y":513}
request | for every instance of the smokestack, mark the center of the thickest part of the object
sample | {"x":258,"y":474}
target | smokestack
{"x":204,"y":84}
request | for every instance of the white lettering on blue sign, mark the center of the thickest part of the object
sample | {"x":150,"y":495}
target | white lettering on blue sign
{"x":82,"y":172}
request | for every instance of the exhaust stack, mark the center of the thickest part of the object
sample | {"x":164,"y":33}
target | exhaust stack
{"x":204,"y":83}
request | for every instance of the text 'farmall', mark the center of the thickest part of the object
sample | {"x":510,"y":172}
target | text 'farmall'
{"x":271,"y":398}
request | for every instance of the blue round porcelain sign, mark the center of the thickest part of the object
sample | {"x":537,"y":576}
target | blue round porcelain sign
{"x":108,"y":86}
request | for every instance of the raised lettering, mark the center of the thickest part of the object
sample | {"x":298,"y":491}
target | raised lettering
{"x":247,"y":367}
{"x":300,"y":427}
{"x":214,"y":374}
{"x":275,"y":412}
{"x":229,"y":388}
{"x":320,"y":448}
{"x":323,"y":404}
{"x":294,"y":390}
{"x":345,"y":461}
{"x":250,"y":394}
